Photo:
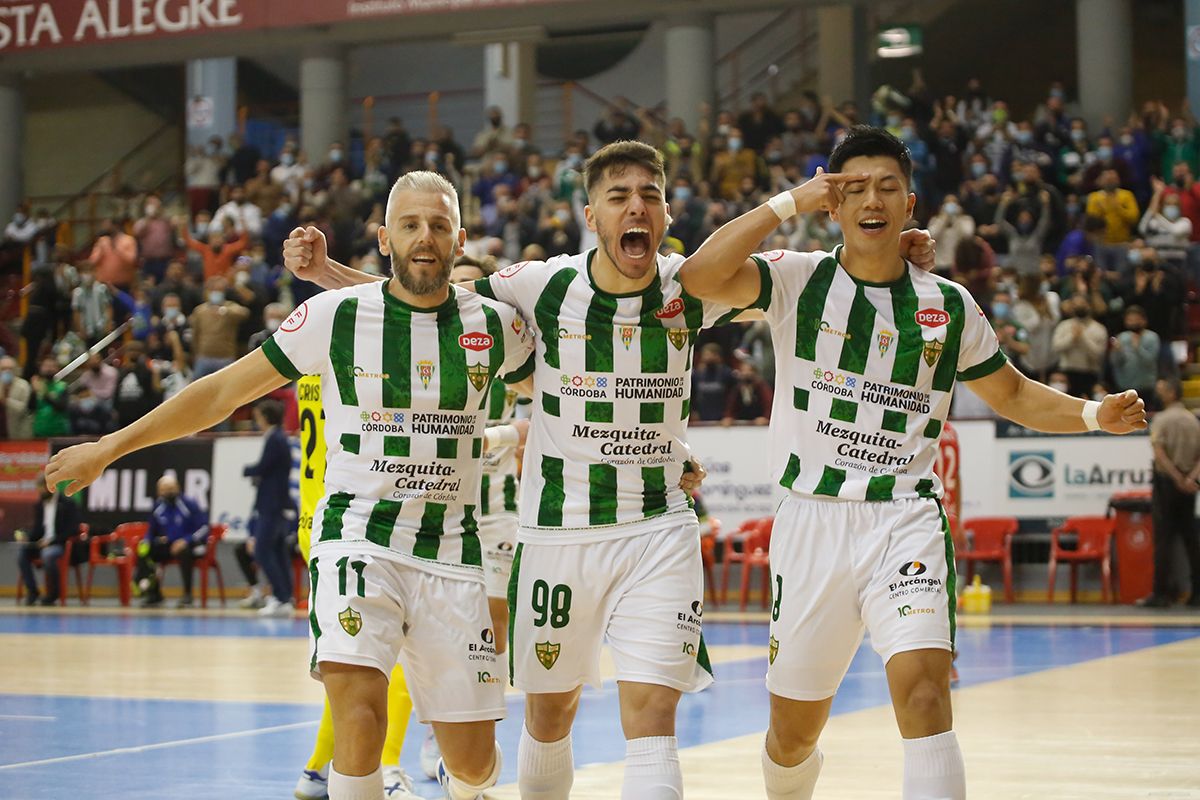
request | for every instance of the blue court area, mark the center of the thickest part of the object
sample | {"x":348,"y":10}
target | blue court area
{"x":106,"y":747}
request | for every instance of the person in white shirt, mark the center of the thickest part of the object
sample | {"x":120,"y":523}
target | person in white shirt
{"x":245,"y":216}
{"x":1164,"y":225}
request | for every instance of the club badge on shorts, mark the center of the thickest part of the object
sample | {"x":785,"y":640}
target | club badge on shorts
{"x":772,"y":650}
{"x":351,"y":621}
{"x":547,"y":653}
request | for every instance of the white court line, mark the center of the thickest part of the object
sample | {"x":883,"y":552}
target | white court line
{"x":28,"y":717}
{"x":160,"y":746}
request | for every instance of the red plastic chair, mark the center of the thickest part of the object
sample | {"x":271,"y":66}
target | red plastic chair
{"x":207,"y":561}
{"x":64,"y":567}
{"x":1094,"y":543}
{"x":732,"y":556}
{"x":756,"y":553}
{"x":708,"y":557}
{"x":991,"y":540}
{"x":128,"y":534}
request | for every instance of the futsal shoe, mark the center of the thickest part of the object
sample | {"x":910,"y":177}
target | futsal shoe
{"x":1154,"y":601}
{"x":443,"y":779}
{"x":314,"y":785}
{"x":396,"y":784}
{"x":431,"y":754}
{"x":274,"y":608}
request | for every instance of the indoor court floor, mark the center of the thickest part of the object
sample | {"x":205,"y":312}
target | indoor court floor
{"x":104,"y":703}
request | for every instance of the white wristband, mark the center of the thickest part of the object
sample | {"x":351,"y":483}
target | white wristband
{"x":1090,"y":409}
{"x":500,"y":436}
{"x":784,"y":205}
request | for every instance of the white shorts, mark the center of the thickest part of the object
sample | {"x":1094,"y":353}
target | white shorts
{"x":644,"y":592}
{"x":372,"y":610}
{"x":497,"y":539}
{"x":840,"y":567}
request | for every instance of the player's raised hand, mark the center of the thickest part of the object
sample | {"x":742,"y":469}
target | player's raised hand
{"x":78,"y":466}
{"x":824,"y":191}
{"x":917,"y":246}
{"x":305,"y":253}
{"x":1122,"y":413}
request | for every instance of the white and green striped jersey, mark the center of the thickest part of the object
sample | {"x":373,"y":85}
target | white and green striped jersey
{"x":404,"y":392}
{"x":864,"y":374}
{"x":498,"y":491}
{"x":612,"y":385}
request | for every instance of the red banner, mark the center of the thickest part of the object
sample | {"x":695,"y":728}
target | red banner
{"x":21,"y":465}
{"x":27,"y":25}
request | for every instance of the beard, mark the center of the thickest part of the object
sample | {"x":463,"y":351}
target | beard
{"x":411,"y":281}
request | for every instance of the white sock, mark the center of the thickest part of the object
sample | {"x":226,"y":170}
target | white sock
{"x":791,"y":783}
{"x":934,"y":769}
{"x":352,"y":787}
{"x":652,"y":769}
{"x":545,"y":770}
{"x":460,"y":790}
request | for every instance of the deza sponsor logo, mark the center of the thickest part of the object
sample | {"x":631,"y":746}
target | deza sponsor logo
{"x":932,"y":317}
{"x":1034,"y":474}
{"x":476,"y":341}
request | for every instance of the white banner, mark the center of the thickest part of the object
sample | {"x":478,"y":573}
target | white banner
{"x":1030,"y":477}
{"x":233,"y":493}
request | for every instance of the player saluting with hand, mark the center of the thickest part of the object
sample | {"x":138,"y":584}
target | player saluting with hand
{"x":868,"y":350}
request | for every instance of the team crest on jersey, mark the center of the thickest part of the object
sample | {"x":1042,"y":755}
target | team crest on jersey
{"x":627,"y":335}
{"x":517,"y":325}
{"x":677,"y":337}
{"x":933,"y":351}
{"x":772,"y":650}
{"x":478,"y":375}
{"x":885,"y":341}
{"x":351,"y":621}
{"x":547,"y":653}
{"x":425,"y":372}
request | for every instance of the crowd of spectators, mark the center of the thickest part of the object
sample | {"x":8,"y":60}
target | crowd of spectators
{"x":1080,"y":244}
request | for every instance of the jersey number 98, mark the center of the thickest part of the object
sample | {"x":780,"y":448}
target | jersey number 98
{"x":553,"y":605}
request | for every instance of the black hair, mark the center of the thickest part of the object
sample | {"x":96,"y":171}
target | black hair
{"x":271,"y":410}
{"x":866,"y":140}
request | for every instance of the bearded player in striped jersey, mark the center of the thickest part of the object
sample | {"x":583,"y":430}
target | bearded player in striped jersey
{"x":406,"y":367}
{"x":868,"y":349}
{"x":607,"y":546}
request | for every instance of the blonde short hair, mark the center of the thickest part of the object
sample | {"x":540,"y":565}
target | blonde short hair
{"x":424,"y":181}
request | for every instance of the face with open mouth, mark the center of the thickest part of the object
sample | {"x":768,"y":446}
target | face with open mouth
{"x":422,"y":239}
{"x":628,"y":212}
{"x":875,"y":209}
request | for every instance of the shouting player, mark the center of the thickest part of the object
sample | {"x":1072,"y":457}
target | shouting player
{"x":868,"y":350}
{"x":406,"y":368}
{"x":608,"y":545}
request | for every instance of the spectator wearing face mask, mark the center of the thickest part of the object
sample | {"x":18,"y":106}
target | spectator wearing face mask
{"x":1116,"y":206}
{"x":558,"y":232}
{"x":1164,"y":226}
{"x":218,"y":254}
{"x":949,"y":227}
{"x":711,"y":382}
{"x":288,"y":174}
{"x":1014,"y":341}
{"x":138,"y":385}
{"x":1037,"y":312}
{"x":1074,"y":156}
{"x":22,"y":228}
{"x":1178,"y":143}
{"x":495,"y":173}
{"x":1026,"y":237}
{"x":1134,"y":355}
{"x":100,"y":379}
{"x":214,"y":329}
{"x":495,"y":135}
{"x":1080,"y":343}
{"x":759,"y":123}
{"x":176,"y":282}
{"x":1157,"y":288}
{"x":732,"y":165}
{"x":156,"y":239}
{"x":1106,"y":158}
{"x":91,"y":306}
{"x":273,"y":316}
{"x":15,"y":393}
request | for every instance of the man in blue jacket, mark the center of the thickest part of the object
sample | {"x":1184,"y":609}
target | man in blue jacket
{"x":178,"y":530}
{"x":272,"y":504}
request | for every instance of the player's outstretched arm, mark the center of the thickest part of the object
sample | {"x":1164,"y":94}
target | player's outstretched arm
{"x":306,"y":256}
{"x":1041,"y":408}
{"x":721,"y":271}
{"x":201,"y":405}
